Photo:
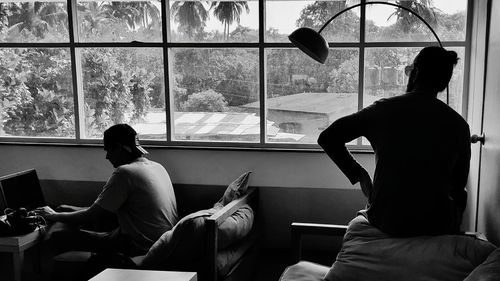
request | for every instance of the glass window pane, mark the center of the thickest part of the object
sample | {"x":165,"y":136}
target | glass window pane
{"x":305,"y":97}
{"x":385,"y":72}
{"x":36,"y":93}
{"x":283,"y":17}
{"x":33,"y":21}
{"x":123,"y":85}
{"x":214,"y":21}
{"x":385,"y":75}
{"x":211,"y":89}
{"x":456,"y":86}
{"x":448,"y":18}
{"x":119,"y":21}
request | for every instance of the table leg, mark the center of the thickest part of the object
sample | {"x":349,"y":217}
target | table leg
{"x":18,"y":261}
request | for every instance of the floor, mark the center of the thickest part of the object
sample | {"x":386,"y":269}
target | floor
{"x":271,"y":263}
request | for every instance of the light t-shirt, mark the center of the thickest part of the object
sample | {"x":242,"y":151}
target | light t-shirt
{"x":142,"y":196}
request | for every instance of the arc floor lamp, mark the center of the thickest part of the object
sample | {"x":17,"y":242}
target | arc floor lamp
{"x":314,"y":45}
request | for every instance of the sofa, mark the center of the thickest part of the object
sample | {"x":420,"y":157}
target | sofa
{"x":217,"y":236}
{"x":368,"y":254}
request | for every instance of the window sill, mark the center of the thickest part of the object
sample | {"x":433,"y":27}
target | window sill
{"x":304,"y":148}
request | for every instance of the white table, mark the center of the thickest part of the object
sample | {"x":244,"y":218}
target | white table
{"x":113,"y":274}
{"x":16,"y":245}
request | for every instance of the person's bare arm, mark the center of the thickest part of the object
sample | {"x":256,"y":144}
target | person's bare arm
{"x":81,"y":216}
{"x":68,"y":208}
{"x":333,"y":141}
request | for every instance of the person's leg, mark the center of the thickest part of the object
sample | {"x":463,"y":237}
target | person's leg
{"x":67,"y":238}
{"x":62,"y":238}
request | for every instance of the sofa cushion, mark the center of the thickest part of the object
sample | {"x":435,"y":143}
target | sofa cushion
{"x":304,"y":271}
{"x":489,"y":270}
{"x":235,"y":190}
{"x":235,"y":227}
{"x":227,"y":257}
{"x":369,"y":254}
{"x":186,"y":242}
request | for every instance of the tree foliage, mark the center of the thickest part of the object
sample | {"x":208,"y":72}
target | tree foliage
{"x":345,"y":28}
{"x":114,"y":91}
{"x":407,"y":20}
{"x":345,"y":78}
{"x":124,"y":84}
{"x":36,"y":92}
{"x":190,"y":15}
{"x":229,"y":12}
{"x":206,"y":101}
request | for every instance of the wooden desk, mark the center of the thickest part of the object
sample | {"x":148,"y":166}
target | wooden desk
{"x":16,"y":245}
{"x":113,"y":274}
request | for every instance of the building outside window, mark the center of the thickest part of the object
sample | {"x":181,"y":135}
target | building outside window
{"x":219,"y":73}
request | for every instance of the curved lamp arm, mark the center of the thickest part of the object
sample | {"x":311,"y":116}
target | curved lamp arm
{"x":383,"y":3}
{"x":314,"y":45}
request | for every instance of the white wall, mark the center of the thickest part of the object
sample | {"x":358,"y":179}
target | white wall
{"x":189,"y":166}
{"x":294,"y":186}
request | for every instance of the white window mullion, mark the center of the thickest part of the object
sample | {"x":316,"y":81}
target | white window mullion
{"x":361,"y":62}
{"x":76,"y":69}
{"x":262,"y":74}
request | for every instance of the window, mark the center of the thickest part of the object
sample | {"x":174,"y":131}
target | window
{"x":211,"y":73}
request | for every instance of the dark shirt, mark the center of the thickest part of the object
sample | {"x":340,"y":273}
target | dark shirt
{"x":422,"y":154}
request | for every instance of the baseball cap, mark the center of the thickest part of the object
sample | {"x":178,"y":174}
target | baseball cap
{"x":125,"y":135}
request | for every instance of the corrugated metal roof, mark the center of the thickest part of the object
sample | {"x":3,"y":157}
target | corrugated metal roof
{"x":326,"y":103}
{"x":205,"y":124}
{"x":219,"y":123}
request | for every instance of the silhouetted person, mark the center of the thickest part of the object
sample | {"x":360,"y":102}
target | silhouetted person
{"x":139,"y":192}
{"x":422,"y":153}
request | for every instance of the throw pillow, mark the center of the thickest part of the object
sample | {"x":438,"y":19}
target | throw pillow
{"x":186,"y":242}
{"x":235,"y":190}
{"x":180,"y":244}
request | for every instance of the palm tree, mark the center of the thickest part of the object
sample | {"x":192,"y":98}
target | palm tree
{"x":425,"y":8}
{"x":190,"y":15}
{"x":314,"y":15}
{"x":95,"y":13}
{"x":51,"y":13}
{"x":38,"y":18}
{"x":138,"y":14}
{"x":228,"y":12}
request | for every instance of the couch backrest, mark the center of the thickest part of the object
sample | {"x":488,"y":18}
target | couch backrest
{"x":192,"y":197}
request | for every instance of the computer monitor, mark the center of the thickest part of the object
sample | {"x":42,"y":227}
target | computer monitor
{"x":22,"y":189}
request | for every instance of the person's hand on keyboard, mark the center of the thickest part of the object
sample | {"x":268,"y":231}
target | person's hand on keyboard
{"x":46,"y":212}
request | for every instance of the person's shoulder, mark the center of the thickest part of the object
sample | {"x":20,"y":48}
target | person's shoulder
{"x":381,"y":102}
{"x":450,"y":111}
{"x":392,"y":100}
{"x":127,"y":168}
{"x":144,"y":162}
{"x":453,"y":117}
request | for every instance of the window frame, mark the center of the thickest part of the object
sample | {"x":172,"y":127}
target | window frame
{"x":261,"y":46}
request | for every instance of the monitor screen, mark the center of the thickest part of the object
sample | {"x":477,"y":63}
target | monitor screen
{"x":22,"y":190}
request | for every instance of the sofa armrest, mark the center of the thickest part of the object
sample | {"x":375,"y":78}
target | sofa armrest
{"x":221,"y":215}
{"x":214,"y":221}
{"x":300,"y":229}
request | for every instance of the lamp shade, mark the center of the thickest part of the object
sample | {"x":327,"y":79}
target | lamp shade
{"x":310,"y":42}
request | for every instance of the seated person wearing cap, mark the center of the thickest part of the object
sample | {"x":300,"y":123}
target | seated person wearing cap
{"x":139,"y":192}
